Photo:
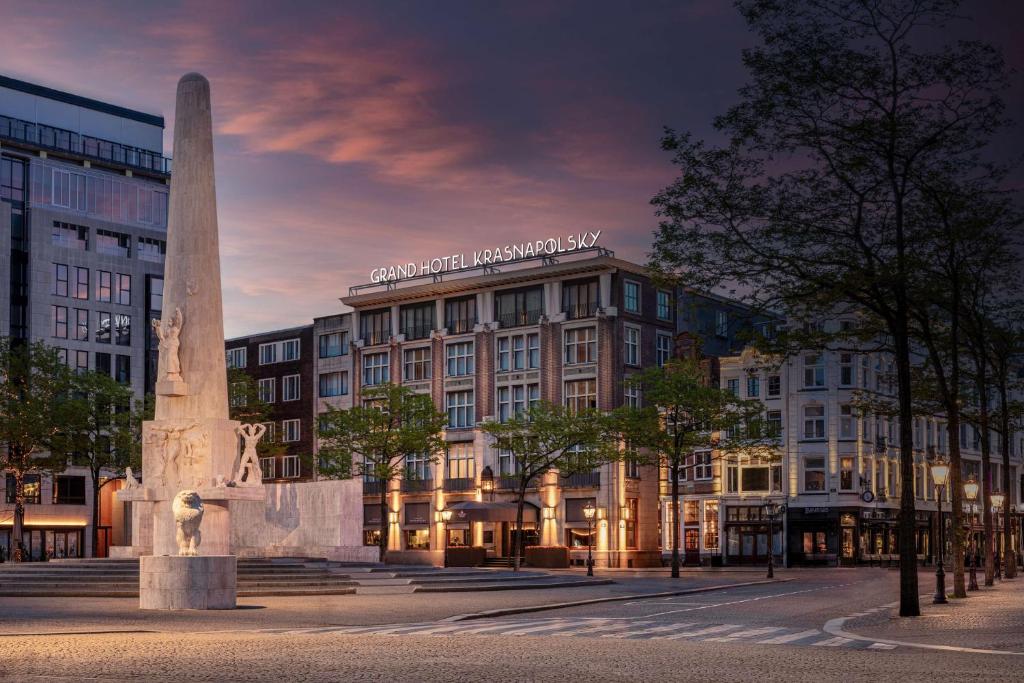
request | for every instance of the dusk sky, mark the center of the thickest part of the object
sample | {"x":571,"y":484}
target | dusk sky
{"x":355,"y":135}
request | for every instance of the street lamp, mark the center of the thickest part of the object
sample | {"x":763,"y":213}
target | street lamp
{"x":771,"y":509}
{"x":589,"y":511}
{"x":487,"y":482}
{"x":940,"y":472}
{"x":446,"y":516}
{"x":971,"y":493}
{"x":997,"y":507}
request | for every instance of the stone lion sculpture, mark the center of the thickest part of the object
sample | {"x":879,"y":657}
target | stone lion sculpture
{"x":188,"y":515}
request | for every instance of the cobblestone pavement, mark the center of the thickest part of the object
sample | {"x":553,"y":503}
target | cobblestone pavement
{"x":767,"y":632}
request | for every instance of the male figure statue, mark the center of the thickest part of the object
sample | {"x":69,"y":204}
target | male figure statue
{"x":249,"y":472}
{"x":168,"y":333}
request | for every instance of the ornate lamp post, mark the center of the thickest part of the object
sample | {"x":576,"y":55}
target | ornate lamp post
{"x":971,"y":493}
{"x":446,"y":516}
{"x":589,"y":511}
{"x":487,"y":482}
{"x":940,"y":472}
{"x":771,"y":510}
{"x":997,"y":507}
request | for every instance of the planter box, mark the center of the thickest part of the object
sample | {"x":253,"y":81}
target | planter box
{"x":466,"y":557}
{"x":547,"y":556}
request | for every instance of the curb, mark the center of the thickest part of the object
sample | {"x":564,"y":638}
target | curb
{"x":617,"y":598}
{"x":420,"y":588}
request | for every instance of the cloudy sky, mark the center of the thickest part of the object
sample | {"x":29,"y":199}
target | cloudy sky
{"x":352,"y":135}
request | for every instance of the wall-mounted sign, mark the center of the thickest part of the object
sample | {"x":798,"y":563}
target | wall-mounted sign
{"x":486,"y":257}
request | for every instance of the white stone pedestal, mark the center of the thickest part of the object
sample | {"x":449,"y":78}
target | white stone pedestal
{"x":180,"y":582}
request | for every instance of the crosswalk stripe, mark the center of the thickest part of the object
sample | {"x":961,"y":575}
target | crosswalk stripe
{"x":619,"y":625}
{"x":699,"y":632}
{"x":534,"y":629}
{"x":881,"y":646}
{"x":790,"y":637}
{"x":832,"y":642}
{"x":736,"y":635}
{"x":647,"y":631}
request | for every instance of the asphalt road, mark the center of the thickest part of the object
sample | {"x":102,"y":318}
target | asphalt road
{"x":765,"y":633}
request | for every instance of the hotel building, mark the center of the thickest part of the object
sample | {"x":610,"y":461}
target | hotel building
{"x":83,"y":221}
{"x":485,"y":343}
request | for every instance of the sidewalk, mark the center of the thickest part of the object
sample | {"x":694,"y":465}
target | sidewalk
{"x":989,"y":619}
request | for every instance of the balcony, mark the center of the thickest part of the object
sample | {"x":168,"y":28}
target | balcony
{"x":460,"y":325}
{"x":586,"y":309}
{"x":583,"y":480}
{"x":58,"y":139}
{"x":372,"y":487}
{"x":459,"y":485}
{"x":520,"y":318}
{"x":507,"y":482}
{"x":417,"y":485}
{"x":375,"y":337}
{"x":416,"y":332}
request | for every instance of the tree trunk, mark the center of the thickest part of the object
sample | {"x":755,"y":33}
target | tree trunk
{"x":518,"y":542}
{"x":385,"y":522}
{"x":909,"y":602}
{"x":1004,"y":420}
{"x":95,"y":514}
{"x":674,"y":473}
{"x":18,"y":525}
{"x":956,"y":492}
{"x":986,"y":472}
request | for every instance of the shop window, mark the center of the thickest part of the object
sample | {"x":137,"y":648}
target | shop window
{"x":814,"y":543}
{"x":580,"y":538}
{"x":417,"y":539}
{"x":458,"y":538}
{"x":711,"y":525}
{"x":31,"y":486}
{"x":691,"y":512}
{"x":371,"y":537}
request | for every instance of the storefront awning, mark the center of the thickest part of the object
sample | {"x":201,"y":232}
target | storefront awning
{"x":478,"y":511}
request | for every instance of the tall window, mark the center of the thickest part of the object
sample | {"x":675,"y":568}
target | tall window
{"x":375,"y":369}
{"x":59,"y":314}
{"x":122,"y":329}
{"x":846,"y":472}
{"x":774,"y":386}
{"x":581,"y":395}
{"x":416,"y":364}
{"x":847,"y":424}
{"x":82,"y":361}
{"x":123,"y":369}
{"x":416,"y":321}
{"x":460,"y":409}
{"x":291,"y":430}
{"x":333,"y":384}
{"x":461,"y":463}
{"x":290,"y":388}
{"x":774,"y":423}
{"x":104,"y":287}
{"x":516,"y":399}
{"x":631,"y":296}
{"x":290,"y":467}
{"x":632,"y":346}
{"x":753,"y":386}
{"x":81,"y":324}
{"x":814,"y":474}
{"x":711,"y":526}
{"x":81,"y":290}
{"x":520,"y":307}
{"x":663,"y":349}
{"x":267,"y":389}
{"x":60,"y":280}
{"x":417,"y":466}
{"x":375,"y":326}
{"x":664,"y":310}
{"x":124,"y":289}
{"x":460,"y":315}
{"x":732,"y":385}
{"x":518,"y":352}
{"x":814,"y":422}
{"x":631,"y":394}
{"x":580,"y":299}
{"x":721,"y":324}
{"x":814,"y":370}
{"x":460,"y":357}
{"x":236,"y":358}
{"x":289,"y":350}
{"x":846,"y":370}
{"x":581,"y":345}
{"x":333,"y":344}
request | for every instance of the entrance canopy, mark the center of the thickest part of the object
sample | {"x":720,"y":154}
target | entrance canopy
{"x":478,"y":511}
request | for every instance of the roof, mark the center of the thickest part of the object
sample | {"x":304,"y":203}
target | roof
{"x":249,"y":338}
{"x":79,"y":101}
{"x":442,"y":287}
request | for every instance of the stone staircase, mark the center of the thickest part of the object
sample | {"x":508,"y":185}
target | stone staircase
{"x":120,"y":578}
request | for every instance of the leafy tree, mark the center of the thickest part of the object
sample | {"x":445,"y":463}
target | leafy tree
{"x":374,"y":440}
{"x":811,"y":204}
{"x":100,"y":433}
{"x":685,"y":412}
{"x":34,"y":403}
{"x":549,"y":437}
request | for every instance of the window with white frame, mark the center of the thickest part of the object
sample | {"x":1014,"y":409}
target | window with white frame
{"x":753,"y":386}
{"x":814,"y":370}
{"x":333,"y":384}
{"x":376,"y":369}
{"x":631,"y":394}
{"x":279,"y":352}
{"x":270,"y":434}
{"x":732,"y":385}
{"x":581,"y":345}
{"x":774,"y":423}
{"x":267,"y":466}
{"x":774,"y":386}
{"x":518,"y":352}
{"x":846,"y":370}
{"x":461,"y":461}
{"x":698,"y":465}
{"x":814,"y":474}
{"x":581,"y":395}
{"x":290,"y":466}
{"x":290,"y":350}
{"x":267,"y":389}
{"x":846,"y":472}
{"x":460,"y":409}
{"x":417,"y":466}
{"x":814,"y":422}
{"x":664,"y":309}
{"x":508,"y":465}
{"x":236,"y":358}
{"x":333,"y":344}
{"x":516,"y":400}
{"x":632,"y":345}
{"x":663,"y":349}
{"x":236,"y":395}
{"x":847,"y":422}
{"x":290,"y":388}
{"x":631,"y":296}
{"x":416,"y":364}
{"x":461,"y":359}
{"x":290,"y":430}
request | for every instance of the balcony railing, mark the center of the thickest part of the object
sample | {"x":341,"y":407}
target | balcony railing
{"x":416,"y":332}
{"x":507,"y":481}
{"x":586,"y":309}
{"x":455,"y":485}
{"x":417,"y":485}
{"x":375,"y":337}
{"x":582,"y":480}
{"x":63,"y":140}
{"x":520,"y":318}
{"x":372,"y":487}
{"x":460,"y":325}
